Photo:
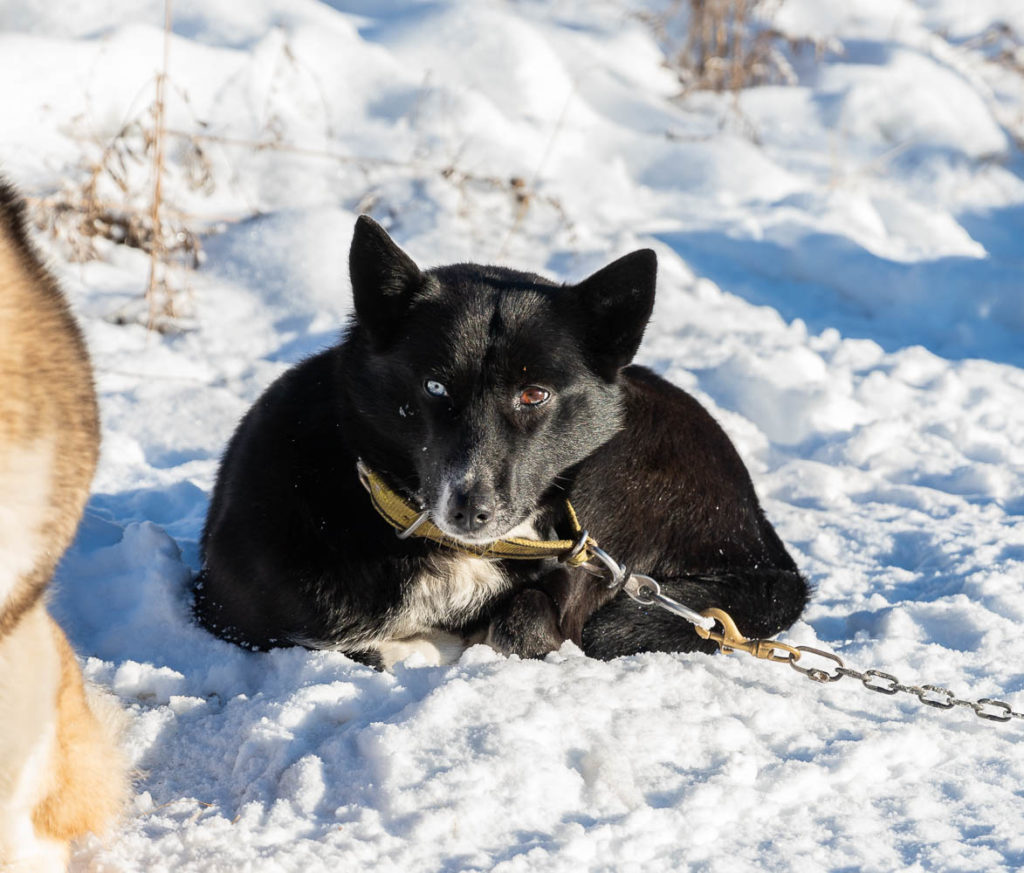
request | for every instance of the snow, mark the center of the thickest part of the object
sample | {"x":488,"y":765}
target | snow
{"x":840,"y":283}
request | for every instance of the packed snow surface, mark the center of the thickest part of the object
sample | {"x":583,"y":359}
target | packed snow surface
{"x":840,"y":283}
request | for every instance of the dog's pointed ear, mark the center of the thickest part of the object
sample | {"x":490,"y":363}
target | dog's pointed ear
{"x":385,"y":279}
{"x":618,"y":300}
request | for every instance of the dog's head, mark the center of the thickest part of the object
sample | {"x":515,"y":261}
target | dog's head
{"x":490,"y":382}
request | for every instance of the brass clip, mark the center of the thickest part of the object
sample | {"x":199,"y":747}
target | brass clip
{"x":730,"y":639}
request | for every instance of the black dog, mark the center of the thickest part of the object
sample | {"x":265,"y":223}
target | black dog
{"x":487,"y":397}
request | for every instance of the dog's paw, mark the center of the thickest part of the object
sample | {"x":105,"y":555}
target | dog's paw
{"x":527,"y":626}
{"x":427,"y":650}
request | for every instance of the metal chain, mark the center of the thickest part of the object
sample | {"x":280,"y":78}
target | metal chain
{"x":647,"y":591}
{"x":886,"y":683}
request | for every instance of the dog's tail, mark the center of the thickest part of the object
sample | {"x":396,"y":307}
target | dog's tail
{"x":761,"y":602}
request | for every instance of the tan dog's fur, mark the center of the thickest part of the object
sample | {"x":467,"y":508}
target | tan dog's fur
{"x":60,"y":772}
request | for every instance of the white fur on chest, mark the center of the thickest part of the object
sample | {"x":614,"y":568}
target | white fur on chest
{"x":452,"y":589}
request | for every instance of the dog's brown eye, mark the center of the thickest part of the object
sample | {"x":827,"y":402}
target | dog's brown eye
{"x":534,"y":396}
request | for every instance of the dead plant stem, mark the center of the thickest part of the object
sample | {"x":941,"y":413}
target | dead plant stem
{"x":157,"y":248}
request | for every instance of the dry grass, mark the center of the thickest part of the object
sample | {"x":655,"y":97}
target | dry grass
{"x":159,"y":298}
{"x":728,"y":44}
{"x":104,"y":200}
{"x":116,"y":194}
{"x":124,"y":190}
{"x":1002,"y":45}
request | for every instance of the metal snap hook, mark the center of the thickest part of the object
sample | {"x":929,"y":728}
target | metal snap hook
{"x":646,"y":591}
{"x":617,"y":571}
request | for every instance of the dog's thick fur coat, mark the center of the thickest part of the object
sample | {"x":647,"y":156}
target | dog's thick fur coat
{"x":488,"y":397}
{"x":60,"y":772}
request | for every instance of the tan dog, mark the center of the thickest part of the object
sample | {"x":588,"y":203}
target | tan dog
{"x":60,"y":773}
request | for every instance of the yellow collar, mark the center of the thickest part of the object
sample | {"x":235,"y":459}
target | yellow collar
{"x":402,"y":515}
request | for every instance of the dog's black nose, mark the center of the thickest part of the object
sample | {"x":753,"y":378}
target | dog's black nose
{"x":469,"y":511}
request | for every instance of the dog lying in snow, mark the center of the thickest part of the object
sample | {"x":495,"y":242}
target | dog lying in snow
{"x":60,"y":772}
{"x":486,"y":398}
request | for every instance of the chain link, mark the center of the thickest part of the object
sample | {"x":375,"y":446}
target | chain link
{"x":886,"y":683}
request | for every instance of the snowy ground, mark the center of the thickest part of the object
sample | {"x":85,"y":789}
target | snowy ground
{"x":840,"y":283}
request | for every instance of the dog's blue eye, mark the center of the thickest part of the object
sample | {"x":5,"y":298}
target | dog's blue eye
{"x":435,"y":388}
